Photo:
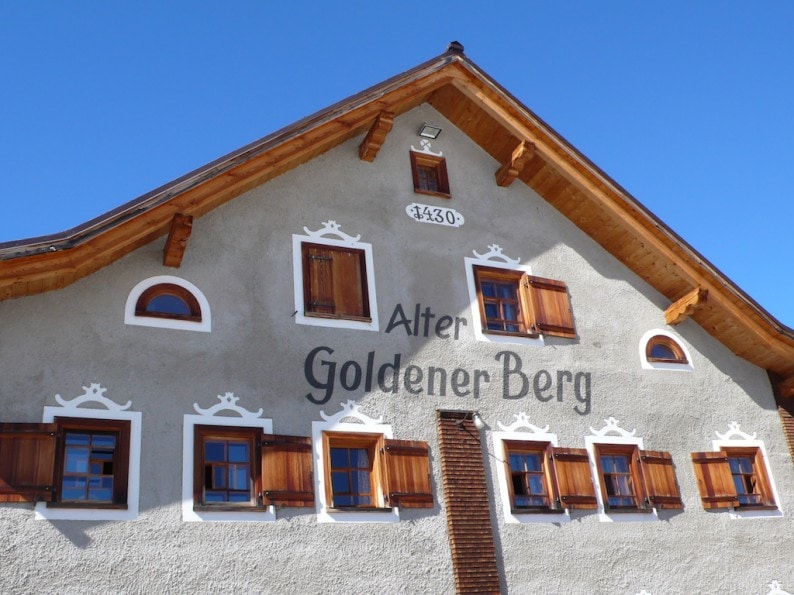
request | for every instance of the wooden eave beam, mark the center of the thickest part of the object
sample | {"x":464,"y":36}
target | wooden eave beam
{"x":682,"y":309}
{"x":511,"y":168}
{"x":178,"y":235}
{"x":376,"y":136}
{"x":786,"y":388}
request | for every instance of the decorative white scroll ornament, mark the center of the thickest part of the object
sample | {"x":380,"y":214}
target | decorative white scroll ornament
{"x":228,"y":402}
{"x":425,"y":144}
{"x":350,"y":409}
{"x":522,"y":421}
{"x":331,"y":228}
{"x":776,"y":589}
{"x":494,"y":253}
{"x":94,"y":394}
{"x":612,"y":426}
{"x":735,"y":433}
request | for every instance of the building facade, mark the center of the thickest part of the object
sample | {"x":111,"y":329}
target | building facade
{"x":350,"y":358}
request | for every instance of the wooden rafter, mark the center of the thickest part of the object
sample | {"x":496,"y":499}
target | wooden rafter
{"x":682,"y":309}
{"x":511,"y":168}
{"x":174,"y":250}
{"x":786,"y":388}
{"x":376,"y":136}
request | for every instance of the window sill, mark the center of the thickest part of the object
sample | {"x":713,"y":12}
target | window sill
{"x":628,"y":510}
{"x":510,"y":334}
{"x":750,"y":508}
{"x":433,"y":193}
{"x":223,"y":508}
{"x":87,"y":505}
{"x":337,"y":317}
{"x":360,"y":509}
{"x":537,"y":511}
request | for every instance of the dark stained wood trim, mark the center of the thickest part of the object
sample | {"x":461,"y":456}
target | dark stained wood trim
{"x":376,"y":136}
{"x":467,"y":504}
{"x":178,"y":235}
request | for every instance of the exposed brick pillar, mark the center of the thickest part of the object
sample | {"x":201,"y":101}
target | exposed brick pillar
{"x":467,"y":504}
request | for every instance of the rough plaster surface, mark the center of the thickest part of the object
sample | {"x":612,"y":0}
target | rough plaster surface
{"x":240,"y":257}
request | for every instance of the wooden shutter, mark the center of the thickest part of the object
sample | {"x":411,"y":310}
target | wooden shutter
{"x":574,"y":483}
{"x":27,"y":462}
{"x":287,"y":478}
{"x":349,"y":285}
{"x":408,"y":473}
{"x":715,"y":481}
{"x":334,"y":281}
{"x":658,"y":473}
{"x":318,"y":279}
{"x":551,"y":307}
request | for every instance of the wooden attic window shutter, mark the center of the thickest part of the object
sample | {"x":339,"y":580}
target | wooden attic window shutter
{"x":27,"y":462}
{"x":575,"y":487}
{"x":715,"y":481}
{"x":551,"y":307}
{"x":334,"y":281}
{"x":287,"y":471}
{"x":658,"y":473}
{"x":408,"y":473}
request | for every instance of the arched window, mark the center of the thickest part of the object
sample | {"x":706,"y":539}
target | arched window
{"x":664,"y":349}
{"x":168,"y":302}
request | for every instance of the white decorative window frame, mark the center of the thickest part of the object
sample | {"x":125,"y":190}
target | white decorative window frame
{"x":364,"y":425}
{"x":736,"y":438}
{"x":204,"y":326}
{"x":331,"y":228}
{"x":494,"y":258}
{"x":210,"y":417}
{"x":113,"y":411}
{"x":619,"y":437}
{"x":646,"y":365}
{"x":521,"y":430}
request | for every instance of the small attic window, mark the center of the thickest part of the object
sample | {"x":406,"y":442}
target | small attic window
{"x":430,"y":174}
{"x":166,"y":301}
{"x":664,"y":349}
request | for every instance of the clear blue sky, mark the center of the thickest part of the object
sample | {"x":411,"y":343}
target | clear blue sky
{"x":688,"y":105}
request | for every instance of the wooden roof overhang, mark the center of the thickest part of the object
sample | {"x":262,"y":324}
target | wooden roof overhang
{"x":525,"y":147}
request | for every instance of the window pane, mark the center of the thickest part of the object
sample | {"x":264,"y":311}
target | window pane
{"x":238,"y":452}
{"x":339,"y":457}
{"x":661,"y":351}
{"x":218,"y":477}
{"x":340,"y":482}
{"x":214,"y":451}
{"x":72,"y":438}
{"x":506,"y":290}
{"x":104,"y":441}
{"x":168,"y":304}
{"x":359,"y":457}
{"x":238,"y":477}
{"x":76,"y":460}
{"x":488,"y":289}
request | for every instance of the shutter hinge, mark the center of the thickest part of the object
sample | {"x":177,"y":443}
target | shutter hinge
{"x":315,"y":257}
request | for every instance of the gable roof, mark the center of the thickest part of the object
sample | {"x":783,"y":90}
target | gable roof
{"x":524,"y":145}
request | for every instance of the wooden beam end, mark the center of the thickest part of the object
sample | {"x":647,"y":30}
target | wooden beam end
{"x":376,"y":136}
{"x":175,"y":245}
{"x":682,"y":309}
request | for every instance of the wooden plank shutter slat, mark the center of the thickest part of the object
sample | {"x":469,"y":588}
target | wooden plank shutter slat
{"x":714,"y":478}
{"x":318,"y":263}
{"x":658,"y":473}
{"x":348,"y":288}
{"x":575,"y":487}
{"x":287,"y":471}
{"x":27,"y":462}
{"x":408,"y":473}
{"x":551,"y":307}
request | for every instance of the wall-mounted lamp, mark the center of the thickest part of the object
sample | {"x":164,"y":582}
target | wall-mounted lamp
{"x":429,"y":130}
{"x":475,"y":417}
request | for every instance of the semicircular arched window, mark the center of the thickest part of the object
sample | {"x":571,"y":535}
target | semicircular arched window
{"x":661,"y":348}
{"x":167,"y":300}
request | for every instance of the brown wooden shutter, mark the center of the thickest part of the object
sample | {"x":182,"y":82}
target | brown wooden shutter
{"x":349,"y":286}
{"x":27,"y":462}
{"x":715,"y":481}
{"x":658,"y":472}
{"x":551,"y":307}
{"x":574,"y":483}
{"x":318,"y":279}
{"x":408,"y":473}
{"x":287,"y":478}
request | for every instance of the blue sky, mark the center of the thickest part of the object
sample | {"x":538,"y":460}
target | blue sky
{"x":687,"y":105}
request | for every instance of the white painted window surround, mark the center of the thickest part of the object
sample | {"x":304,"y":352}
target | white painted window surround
{"x":94,"y":394}
{"x":646,"y":365}
{"x":232,"y":415}
{"x":494,"y":258}
{"x":331,"y":235}
{"x":205,"y":325}
{"x":611,"y":433}
{"x":362,"y":424}
{"x":522,"y":430}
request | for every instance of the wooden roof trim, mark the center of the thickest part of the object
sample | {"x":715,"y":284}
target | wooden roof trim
{"x":370,"y":146}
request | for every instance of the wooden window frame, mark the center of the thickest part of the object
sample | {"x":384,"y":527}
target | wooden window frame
{"x":121,"y":460}
{"x":310,"y":305}
{"x":524,"y":447}
{"x":374,"y":443}
{"x":536,"y":314}
{"x":716,"y":481}
{"x":251,"y":435}
{"x":631,"y":453}
{"x":671,"y":344}
{"x":170,"y":289}
{"x":438,"y":165}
